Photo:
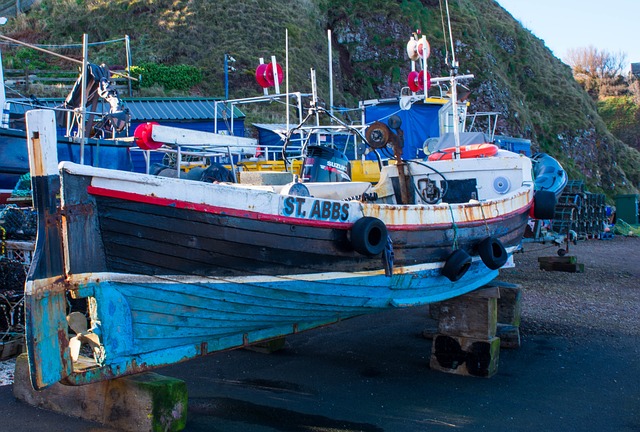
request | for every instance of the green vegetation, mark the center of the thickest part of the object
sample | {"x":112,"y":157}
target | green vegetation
{"x":515,"y":74}
{"x":177,"y":77}
{"x":622,"y":116}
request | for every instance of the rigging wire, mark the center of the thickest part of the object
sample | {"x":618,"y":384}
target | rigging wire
{"x":444,"y":35}
{"x":65,"y":46}
{"x":453,"y":51}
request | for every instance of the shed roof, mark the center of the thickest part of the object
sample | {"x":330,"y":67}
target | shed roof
{"x":147,"y":109}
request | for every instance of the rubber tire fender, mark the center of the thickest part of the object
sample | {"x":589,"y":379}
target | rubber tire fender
{"x":369,"y":236}
{"x":456,"y":265}
{"x":493,"y":253}
{"x":544,"y":205}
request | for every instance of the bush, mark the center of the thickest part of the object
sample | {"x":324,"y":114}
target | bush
{"x":176,"y":77}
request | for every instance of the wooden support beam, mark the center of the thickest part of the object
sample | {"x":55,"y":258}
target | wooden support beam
{"x":465,"y":356}
{"x":509,"y":304}
{"x":509,"y":335}
{"x":472,"y":315}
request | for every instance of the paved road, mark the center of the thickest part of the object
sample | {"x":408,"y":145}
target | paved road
{"x":371,"y":374}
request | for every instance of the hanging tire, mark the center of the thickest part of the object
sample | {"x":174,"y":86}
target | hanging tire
{"x":369,"y":236}
{"x":493,"y":253}
{"x":456,"y":265}
{"x":544,"y":205}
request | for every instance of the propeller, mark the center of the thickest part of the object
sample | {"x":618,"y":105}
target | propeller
{"x":78,"y":323}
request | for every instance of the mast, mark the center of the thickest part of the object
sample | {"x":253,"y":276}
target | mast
{"x":83,"y":103}
{"x":454,"y":90}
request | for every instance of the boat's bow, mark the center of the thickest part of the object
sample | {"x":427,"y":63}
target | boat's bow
{"x":45,"y":290}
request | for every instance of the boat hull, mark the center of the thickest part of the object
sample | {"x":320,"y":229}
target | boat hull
{"x":171,"y":269}
{"x":153,"y":321}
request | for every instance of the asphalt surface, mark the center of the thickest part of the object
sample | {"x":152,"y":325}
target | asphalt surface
{"x":371,"y":374}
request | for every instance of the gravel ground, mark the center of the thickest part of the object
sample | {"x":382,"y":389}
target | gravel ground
{"x":605,"y":299}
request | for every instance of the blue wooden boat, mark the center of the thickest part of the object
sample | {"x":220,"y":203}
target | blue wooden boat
{"x":172,"y":268}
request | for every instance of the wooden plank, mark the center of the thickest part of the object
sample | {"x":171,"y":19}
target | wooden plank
{"x":509,"y":335}
{"x":11,"y":348}
{"x":567,"y":259}
{"x":569,"y":268}
{"x":468,"y":316}
{"x":510,"y":305}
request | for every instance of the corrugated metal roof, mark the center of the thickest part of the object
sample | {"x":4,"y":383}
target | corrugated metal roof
{"x":147,"y":109}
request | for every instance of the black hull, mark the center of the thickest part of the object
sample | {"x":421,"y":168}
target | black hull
{"x":150,"y":239}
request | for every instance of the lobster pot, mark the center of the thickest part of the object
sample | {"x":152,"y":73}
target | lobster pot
{"x":325,"y":164}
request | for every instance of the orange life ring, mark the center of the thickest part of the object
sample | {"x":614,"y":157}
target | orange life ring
{"x":466,"y":152}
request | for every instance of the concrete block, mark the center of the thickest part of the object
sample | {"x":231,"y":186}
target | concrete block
{"x":143,"y":402}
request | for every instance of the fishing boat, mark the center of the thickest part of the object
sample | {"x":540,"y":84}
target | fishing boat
{"x":172,"y":268}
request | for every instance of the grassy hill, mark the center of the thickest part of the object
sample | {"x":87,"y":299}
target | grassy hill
{"x":515,"y":73}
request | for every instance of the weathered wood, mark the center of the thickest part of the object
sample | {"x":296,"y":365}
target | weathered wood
{"x":472,"y":315}
{"x":567,"y":259}
{"x":465,"y":356}
{"x":143,"y":402}
{"x":11,"y":348}
{"x":569,"y":268}
{"x":509,"y":335}
{"x":510,"y":305}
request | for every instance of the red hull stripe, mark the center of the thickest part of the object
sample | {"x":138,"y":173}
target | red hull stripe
{"x":206,"y":208}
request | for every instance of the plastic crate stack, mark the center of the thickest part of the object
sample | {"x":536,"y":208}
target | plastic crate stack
{"x":580,"y":211}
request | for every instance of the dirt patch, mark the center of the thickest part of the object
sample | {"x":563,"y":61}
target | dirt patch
{"x":604,"y":299}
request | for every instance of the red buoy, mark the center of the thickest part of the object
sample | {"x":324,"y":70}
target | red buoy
{"x":269,"y":76}
{"x":415,"y":81}
{"x":261,"y":76}
{"x":142,"y":137}
{"x":412,"y":81}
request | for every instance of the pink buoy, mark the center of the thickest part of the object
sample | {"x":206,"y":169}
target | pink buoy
{"x":421,"y":80}
{"x":261,"y":76}
{"x":412,"y":81}
{"x":269,"y":74}
{"x":142,"y":137}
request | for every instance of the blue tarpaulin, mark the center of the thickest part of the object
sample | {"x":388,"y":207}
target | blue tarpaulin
{"x":418,"y":123}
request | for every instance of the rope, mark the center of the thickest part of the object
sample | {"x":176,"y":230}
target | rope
{"x":455,"y":229}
